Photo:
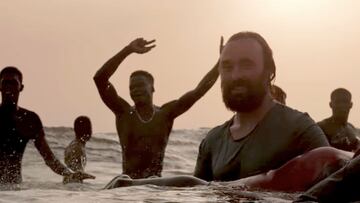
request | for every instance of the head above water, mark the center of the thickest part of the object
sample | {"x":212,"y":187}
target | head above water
{"x":246,"y":69}
{"x":340,"y":104}
{"x":11,"y":70}
{"x":82,"y":128}
{"x":267,"y":54}
{"x":141,"y":87}
{"x":10,"y":85}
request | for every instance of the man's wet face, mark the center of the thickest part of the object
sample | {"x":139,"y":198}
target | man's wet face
{"x":341,"y":106}
{"x":243,"y":77}
{"x":83,"y":129}
{"x":140,"y":89}
{"x":10,"y":87}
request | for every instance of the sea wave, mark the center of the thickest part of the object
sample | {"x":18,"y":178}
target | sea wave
{"x":40,"y":184}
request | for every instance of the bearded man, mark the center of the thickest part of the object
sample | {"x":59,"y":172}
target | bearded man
{"x":263,"y":134}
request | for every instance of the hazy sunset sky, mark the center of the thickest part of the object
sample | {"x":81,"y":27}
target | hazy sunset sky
{"x":59,"y":45}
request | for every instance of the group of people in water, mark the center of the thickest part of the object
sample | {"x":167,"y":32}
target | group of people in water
{"x":265,"y":145}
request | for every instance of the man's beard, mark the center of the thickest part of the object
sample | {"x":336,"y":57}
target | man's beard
{"x":247,"y":101}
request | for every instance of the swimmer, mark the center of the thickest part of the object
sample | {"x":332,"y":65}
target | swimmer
{"x":144,"y":128}
{"x":75,"y":152}
{"x":17,"y":127}
{"x":340,"y":133}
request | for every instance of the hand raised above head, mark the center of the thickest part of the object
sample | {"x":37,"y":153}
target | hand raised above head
{"x":141,"y":46}
{"x":221,"y":47}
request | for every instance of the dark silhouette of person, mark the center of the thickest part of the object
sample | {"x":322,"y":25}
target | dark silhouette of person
{"x":340,"y":133}
{"x":17,"y":126}
{"x":278,"y":94}
{"x":75,"y":152}
{"x":144,"y":128}
{"x":263,"y":135}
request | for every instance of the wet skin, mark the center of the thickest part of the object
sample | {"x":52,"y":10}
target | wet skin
{"x":144,"y":128}
{"x":340,"y":133}
{"x":17,"y":127}
{"x":298,"y":174}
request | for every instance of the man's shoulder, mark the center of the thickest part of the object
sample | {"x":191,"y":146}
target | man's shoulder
{"x":29,"y":123}
{"x":289,"y":118}
{"x":289,"y":112}
{"x":351,"y":126}
{"x":218,"y":131}
{"x":27,"y":112}
{"x":325,"y":121}
{"x":28,"y":116}
{"x":291,"y":115}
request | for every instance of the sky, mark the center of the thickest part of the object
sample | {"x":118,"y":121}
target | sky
{"x":59,"y":45}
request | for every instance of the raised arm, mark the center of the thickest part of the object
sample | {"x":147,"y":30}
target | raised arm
{"x":178,"y":107}
{"x":184,"y":103}
{"x":106,"y":89}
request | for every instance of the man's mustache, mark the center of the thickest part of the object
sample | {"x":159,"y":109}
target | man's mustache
{"x":236,"y":83}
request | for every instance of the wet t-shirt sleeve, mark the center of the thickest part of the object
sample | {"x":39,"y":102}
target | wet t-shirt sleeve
{"x":310,"y":134}
{"x":203,"y":164}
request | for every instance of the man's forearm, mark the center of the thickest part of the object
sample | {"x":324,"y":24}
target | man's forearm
{"x":58,"y":167}
{"x":208,"y":81}
{"x":49,"y":157}
{"x":188,"y":99}
{"x":109,"y":68}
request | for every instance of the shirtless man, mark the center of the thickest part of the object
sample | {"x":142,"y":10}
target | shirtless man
{"x":340,"y":133}
{"x":263,"y":135}
{"x":144,"y":128}
{"x":17,"y":127}
{"x":75,"y":153}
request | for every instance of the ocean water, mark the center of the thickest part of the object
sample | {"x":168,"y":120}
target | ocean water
{"x":40,"y":184}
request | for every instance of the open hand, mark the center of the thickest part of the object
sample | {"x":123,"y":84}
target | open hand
{"x":79,"y":175}
{"x":141,"y":46}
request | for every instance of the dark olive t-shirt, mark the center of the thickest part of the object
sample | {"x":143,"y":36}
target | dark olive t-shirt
{"x":283,"y":134}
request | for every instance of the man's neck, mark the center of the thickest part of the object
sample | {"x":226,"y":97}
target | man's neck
{"x":338,"y":121}
{"x":145,"y":108}
{"x":145,"y":112}
{"x":9,"y":107}
{"x":249,"y":118}
{"x":80,"y":141}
